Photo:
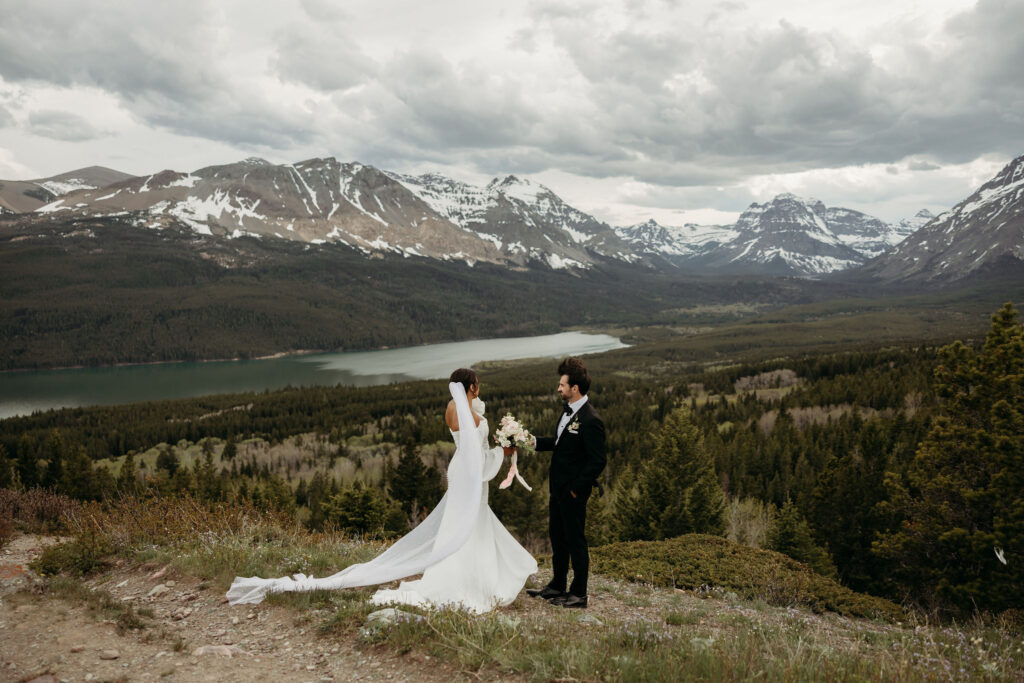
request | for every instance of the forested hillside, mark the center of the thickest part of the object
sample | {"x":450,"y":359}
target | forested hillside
{"x":838,"y":459}
{"x":101,"y":291}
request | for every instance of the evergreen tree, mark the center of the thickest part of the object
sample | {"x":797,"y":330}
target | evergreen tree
{"x":278,"y":495}
{"x":677,"y":489}
{"x":230,"y":450}
{"x":363,"y":510}
{"x":127,"y":478}
{"x":208,"y":482}
{"x":961,"y":503}
{"x":54,"y":472}
{"x":167,"y":460}
{"x":7,"y":471}
{"x":28,"y":463}
{"x":412,"y":484}
{"x":847,"y":508}
{"x":791,"y":535}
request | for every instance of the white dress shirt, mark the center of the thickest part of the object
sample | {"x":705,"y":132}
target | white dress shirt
{"x":575,"y":406}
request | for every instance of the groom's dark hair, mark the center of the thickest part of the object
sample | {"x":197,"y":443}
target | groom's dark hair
{"x":465,"y":377}
{"x":577,"y":372}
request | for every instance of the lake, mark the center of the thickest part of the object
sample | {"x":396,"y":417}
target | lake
{"x":21,"y":393}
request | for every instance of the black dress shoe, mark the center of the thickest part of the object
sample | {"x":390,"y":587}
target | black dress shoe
{"x":547,"y":593}
{"x":570,"y":600}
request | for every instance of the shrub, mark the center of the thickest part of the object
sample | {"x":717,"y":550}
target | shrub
{"x":38,"y":510}
{"x":78,"y":557}
{"x":749,"y":520}
{"x":696,"y":560}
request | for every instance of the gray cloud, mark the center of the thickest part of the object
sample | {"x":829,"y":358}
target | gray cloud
{"x":61,"y":125}
{"x":677,"y":103}
{"x":320,"y":54}
{"x":6,"y":118}
{"x":164,"y":61}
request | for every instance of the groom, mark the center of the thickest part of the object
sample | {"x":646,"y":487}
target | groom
{"x":577,"y":460}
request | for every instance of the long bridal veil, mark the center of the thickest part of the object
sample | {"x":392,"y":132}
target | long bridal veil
{"x":444,"y":531}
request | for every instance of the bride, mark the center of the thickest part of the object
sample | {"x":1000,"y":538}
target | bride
{"x":467,"y":558}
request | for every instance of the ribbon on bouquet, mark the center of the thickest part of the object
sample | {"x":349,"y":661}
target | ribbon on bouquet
{"x":513,"y":473}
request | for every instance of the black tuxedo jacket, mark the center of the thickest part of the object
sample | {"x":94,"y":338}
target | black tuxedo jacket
{"x":579,"y":456}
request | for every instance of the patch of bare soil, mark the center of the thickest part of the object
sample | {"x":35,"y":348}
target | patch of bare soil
{"x":190,"y":634}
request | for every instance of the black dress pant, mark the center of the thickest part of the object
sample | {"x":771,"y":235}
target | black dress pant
{"x":568,"y":540}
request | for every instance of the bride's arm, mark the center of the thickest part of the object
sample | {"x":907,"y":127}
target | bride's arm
{"x":493,"y":457}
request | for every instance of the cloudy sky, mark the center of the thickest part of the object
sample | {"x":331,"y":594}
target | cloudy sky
{"x":681,"y":111}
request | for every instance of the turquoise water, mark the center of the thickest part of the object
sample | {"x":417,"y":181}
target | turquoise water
{"x":22,"y":393}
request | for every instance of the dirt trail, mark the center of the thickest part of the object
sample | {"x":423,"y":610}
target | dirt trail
{"x":191,"y":635}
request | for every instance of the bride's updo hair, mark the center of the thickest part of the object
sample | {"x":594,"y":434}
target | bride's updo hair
{"x":465,"y":377}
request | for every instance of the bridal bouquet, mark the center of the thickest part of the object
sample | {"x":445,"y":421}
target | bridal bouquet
{"x":512,"y":434}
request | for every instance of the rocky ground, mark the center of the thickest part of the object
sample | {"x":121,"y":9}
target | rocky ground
{"x":136,"y":622}
{"x":190,"y":634}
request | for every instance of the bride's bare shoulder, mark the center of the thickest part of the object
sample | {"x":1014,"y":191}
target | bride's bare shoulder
{"x":451,"y":417}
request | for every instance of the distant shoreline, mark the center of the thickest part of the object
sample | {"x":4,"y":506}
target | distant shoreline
{"x":285,"y":354}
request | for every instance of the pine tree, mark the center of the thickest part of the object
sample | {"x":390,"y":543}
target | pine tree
{"x":7,"y":472}
{"x":414,"y":485}
{"x":78,"y":479}
{"x":167,"y":460}
{"x":230,"y":450}
{"x":127,"y":479}
{"x":961,"y":503}
{"x":28,"y":463}
{"x":791,"y":535}
{"x":677,"y":489}
{"x":55,"y":454}
{"x":406,"y":478}
{"x":364,"y":510}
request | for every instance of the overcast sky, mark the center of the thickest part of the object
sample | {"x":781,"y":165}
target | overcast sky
{"x":680,"y":111}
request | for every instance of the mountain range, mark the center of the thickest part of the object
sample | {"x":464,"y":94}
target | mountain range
{"x":518,"y":223}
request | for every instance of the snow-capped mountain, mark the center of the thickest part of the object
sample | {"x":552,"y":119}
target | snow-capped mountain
{"x":909,"y":226}
{"x":523,"y":219}
{"x":787,"y":235}
{"x":867,"y":235}
{"x":682,"y":244}
{"x":984,"y":230}
{"x":315,"y":201}
{"x":20,"y":196}
{"x":511,"y":221}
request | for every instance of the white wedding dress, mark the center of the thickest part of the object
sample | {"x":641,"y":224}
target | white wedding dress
{"x":467,"y":558}
{"x":488,"y":571}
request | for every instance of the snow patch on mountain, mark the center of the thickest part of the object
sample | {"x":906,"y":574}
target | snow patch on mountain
{"x":68,"y":185}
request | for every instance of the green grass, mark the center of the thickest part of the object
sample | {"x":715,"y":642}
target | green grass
{"x":99,"y":603}
{"x":710,"y":564}
{"x":643,"y":631}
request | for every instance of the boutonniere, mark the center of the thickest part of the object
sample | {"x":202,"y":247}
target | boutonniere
{"x":574,"y":426}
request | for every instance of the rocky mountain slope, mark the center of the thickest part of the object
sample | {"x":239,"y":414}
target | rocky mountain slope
{"x":786,"y":236}
{"x":21,"y":196}
{"x":511,"y":221}
{"x":517,"y":223}
{"x":984,"y":231}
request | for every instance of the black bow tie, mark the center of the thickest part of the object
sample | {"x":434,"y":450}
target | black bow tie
{"x":567,"y":409}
